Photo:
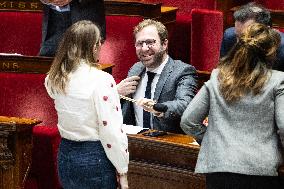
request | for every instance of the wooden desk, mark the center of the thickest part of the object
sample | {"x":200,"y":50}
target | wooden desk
{"x":147,"y":9}
{"x":33,"y":64}
{"x":165,"y":162}
{"x":15,"y":151}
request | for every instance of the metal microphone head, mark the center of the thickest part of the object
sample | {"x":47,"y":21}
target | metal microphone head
{"x":160,"y":107}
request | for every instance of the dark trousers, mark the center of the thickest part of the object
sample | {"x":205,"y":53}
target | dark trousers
{"x":58,"y":23}
{"x":240,"y":181}
{"x":84,"y":165}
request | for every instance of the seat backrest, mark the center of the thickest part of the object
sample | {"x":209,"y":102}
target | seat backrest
{"x":24,"y":95}
{"x":20,"y":32}
{"x":206,"y":37}
{"x":280,"y":29}
{"x":118,"y":48}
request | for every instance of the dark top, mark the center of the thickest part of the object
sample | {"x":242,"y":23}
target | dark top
{"x":229,"y":39}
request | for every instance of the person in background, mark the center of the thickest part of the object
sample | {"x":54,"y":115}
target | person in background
{"x":94,"y":147}
{"x":156,"y":78}
{"x":244,"y":102}
{"x":58,"y":15}
{"x":244,"y":16}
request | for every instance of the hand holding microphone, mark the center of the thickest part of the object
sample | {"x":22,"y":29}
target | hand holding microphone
{"x":128,"y":85}
{"x":149,"y":105}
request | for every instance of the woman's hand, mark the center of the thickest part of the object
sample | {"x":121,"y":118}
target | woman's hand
{"x":60,"y":3}
{"x":122,"y":181}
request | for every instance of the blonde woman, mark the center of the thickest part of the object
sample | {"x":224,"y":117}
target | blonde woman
{"x":94,"y":148}
{"x":244,"y":102}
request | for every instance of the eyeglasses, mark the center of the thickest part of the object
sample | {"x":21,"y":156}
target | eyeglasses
{"x":148,"y":42}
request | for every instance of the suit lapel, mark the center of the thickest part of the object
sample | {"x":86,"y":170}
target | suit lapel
{"x":137,"y":70}
{"x":129,"y":116}
{"x":163,"y":78}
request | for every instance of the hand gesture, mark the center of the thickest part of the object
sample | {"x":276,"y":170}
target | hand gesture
{"x":60,"y":3}
{"x":123,"y":182}
{"x":128,"y":85}
{"x":147,"y":105}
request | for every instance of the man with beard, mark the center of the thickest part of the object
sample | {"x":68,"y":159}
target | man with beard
{"x":170,"y":82}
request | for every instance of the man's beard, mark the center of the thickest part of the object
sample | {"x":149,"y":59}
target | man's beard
{"x":158,"y":59}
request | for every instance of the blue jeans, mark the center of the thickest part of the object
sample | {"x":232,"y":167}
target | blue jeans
{"x":84,"y":165}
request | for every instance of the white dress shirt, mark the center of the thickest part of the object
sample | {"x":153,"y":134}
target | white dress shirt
{"x":91,"y":111}
{"x":65,"y":8}
{"x":141,"y":88}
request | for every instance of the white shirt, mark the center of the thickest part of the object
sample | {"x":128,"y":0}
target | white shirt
{"x":91,"y":111}
{"x":141,"y":88}
{"x":65,"y":8}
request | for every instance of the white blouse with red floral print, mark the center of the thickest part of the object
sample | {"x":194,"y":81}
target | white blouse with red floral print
{"x":90,"y":111}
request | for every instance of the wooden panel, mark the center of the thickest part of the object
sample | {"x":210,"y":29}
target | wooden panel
{"x":15,"y":151}
{"x":277,"y":18}
{"x":33,"y":64}
{"x":4,"y":182}
{"x":143,"y":175}
{"x":113,"y":7}
{"x":168,"y":145}
{"x":165,"y":162}
{"x":203,"y":76}
{"x":146,"y":9}
{"x":18,"y":5}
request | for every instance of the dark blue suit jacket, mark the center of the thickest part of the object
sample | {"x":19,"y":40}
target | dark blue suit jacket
{"x":93,"y":10}
{"x":229,"y":39}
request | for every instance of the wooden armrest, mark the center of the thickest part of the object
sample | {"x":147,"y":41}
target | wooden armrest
{"x":203,"y":76}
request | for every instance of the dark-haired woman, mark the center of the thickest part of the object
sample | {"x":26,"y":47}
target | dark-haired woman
{"x":244,"y":102}
{"x":93,"y":147}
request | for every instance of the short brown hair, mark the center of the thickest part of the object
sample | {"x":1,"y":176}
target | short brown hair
{"x":161,"y":28}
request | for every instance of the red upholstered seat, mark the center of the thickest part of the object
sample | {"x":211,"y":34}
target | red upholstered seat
{"x":31,"y":183}
{"x":20,"y":32}
{"x":206,"y":37}
{"x":24,"y":95}
{"x":181,"y":41}
{"x":118,"y":48}
{"x":280,"y":29}
{"x":186,"y":6}
{"x":46,"y":142}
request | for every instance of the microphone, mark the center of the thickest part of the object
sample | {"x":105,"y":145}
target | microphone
{"x":160,"y":107}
